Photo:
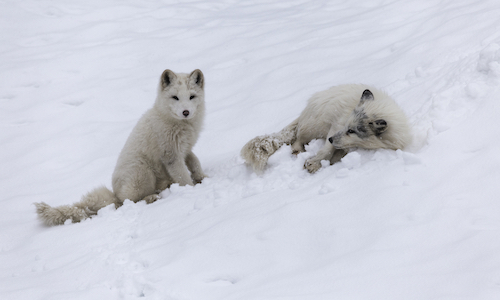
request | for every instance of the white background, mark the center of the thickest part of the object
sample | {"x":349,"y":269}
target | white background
{"x":423,"y":223}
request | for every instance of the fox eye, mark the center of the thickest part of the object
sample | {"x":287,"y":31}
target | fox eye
{"x":350,"y":131}
{"x":175,"y":98}
{"x":192,"y":97}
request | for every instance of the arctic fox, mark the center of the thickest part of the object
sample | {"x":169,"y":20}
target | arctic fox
{"x":156,"y":154}
{"x":348,"y":116}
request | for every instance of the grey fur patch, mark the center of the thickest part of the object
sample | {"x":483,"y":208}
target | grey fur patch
{"x":361,"y":131}
{"x":359,"y":114}
{"x":359,"y":127}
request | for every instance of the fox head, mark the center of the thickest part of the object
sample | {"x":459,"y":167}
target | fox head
{"x":363,"y":128}
{"x":181,"y":95}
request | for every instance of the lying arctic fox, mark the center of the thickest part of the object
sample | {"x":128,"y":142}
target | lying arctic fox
{"x":157,"y":152}
{"x":349,"y":116}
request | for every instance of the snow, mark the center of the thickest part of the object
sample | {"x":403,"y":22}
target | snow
{"x":422,"y":223}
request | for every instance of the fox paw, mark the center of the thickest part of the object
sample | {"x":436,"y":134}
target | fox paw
{"x":151,"y":198}
{"x":312,"y":165}
{"x":198,"y":178}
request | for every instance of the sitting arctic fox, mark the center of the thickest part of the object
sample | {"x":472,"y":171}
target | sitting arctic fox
{"x":157,"y":152}
{"x":347,"y":116}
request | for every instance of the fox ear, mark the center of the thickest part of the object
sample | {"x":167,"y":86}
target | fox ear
{"x":197,"y":78}
{"x":167,"y":77}
{"x":378,"y":126}
{"x":367,"y":96}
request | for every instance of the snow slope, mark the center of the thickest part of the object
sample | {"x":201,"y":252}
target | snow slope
{"x":416,"y":224}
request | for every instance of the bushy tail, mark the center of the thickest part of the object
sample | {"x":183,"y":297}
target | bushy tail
{"x":258,"y":150}
{"x":87,"y":207}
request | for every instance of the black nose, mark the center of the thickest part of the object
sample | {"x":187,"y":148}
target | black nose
{"x":330,"y":139}
{"x":185,"y":113}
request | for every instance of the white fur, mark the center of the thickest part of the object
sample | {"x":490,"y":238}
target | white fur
{"x":156,"y":154}
{"x":330,"y":114}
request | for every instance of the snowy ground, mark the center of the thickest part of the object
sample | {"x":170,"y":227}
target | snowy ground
{"x":416,"y":224}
